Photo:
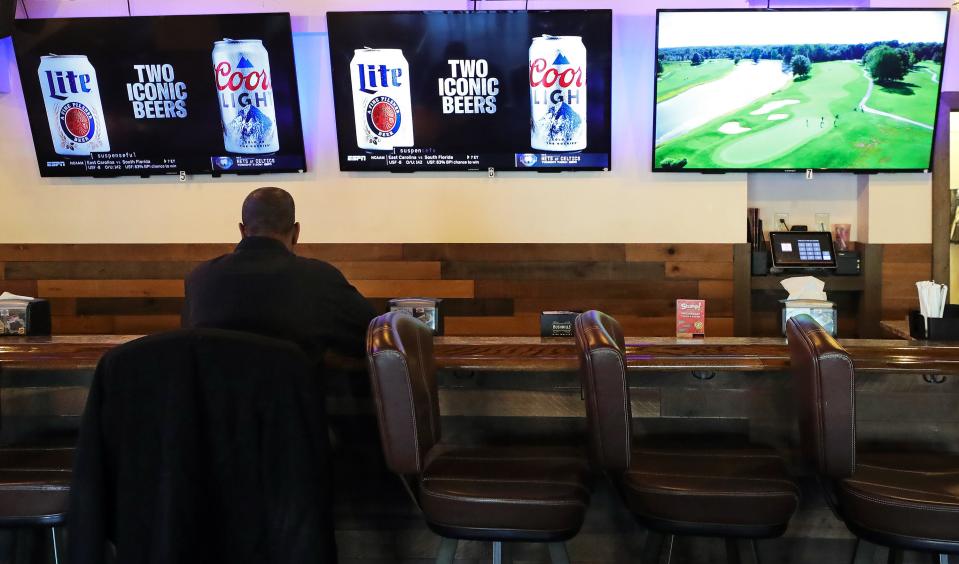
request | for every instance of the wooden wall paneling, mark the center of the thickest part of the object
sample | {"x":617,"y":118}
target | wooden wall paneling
{"x":553,"y":270}
{"x":574,"y":288}
{"x":677,"y":270}
{"x":695,"y":252}
{"x":870,"y":300}
{"x":489,"y":289}
{"x":391,"y":270}
{"x":515,"y":251}
{"x":416,"y":288}
{"x":902,"y":267}
{"x":110,"y":288}
{"x":742,"y":290}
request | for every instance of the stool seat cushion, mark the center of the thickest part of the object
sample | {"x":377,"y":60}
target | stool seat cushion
{"x":738,"y":491}
{"x":34,"y":485}
{"x":505,"y":493}
{"x":904,"y":493}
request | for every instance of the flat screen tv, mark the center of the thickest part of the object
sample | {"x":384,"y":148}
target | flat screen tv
{"x":458,"y":90}
{"x":853,"y":90}
{"x":141,"y":96}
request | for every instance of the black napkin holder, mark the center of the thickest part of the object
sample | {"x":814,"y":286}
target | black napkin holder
{"x":19,"y":318}
{"x":945,"y":328}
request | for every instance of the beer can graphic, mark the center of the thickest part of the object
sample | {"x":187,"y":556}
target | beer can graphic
{"x":72,"y":98}
{"x":382,"y":106}
{"x":557,"y":91}
{"x":244,"y":87}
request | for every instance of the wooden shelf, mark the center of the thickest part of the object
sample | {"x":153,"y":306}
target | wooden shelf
{"x":833,"y":283}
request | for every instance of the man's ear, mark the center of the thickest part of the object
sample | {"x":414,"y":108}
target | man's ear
{"x":296,"y":234}
{"x":242,"y":231}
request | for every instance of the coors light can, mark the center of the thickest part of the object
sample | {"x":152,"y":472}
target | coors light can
{"x":72,"y":98}
{"x":382,"y":106}
{"x":243,"y":82}
{"x":557,"y":91}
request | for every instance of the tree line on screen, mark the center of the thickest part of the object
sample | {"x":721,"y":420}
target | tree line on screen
{"x":886,"y":60}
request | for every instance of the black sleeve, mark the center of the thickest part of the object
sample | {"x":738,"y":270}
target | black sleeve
{"x":186,"y":320}
{"x":349,"y":313}
{"x":89,"y":492}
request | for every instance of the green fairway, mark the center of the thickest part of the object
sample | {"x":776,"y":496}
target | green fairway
{"x":821,"y":128}
{"x":913,"y":97}
{"x":680,"y":76}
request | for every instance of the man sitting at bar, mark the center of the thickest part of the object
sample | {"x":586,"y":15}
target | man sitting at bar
{"x":263,"y":287}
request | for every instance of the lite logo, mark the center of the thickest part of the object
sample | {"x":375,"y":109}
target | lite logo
{"x":62,"y":83}
{"x":373,"y":77}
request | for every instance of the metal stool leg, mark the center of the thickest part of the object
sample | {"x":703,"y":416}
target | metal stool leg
{"x":666,"y":556}
{"x":501,"y":553}
{"x":56,"y":549}
{"x":940,"y":559}
{"x":557,"y":553}
{"x":447,"y":551}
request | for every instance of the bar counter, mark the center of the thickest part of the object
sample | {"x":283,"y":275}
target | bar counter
{"x":534,"y":354}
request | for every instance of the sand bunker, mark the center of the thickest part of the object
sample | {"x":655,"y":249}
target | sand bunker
{"x":777,"y":117}
{"x":771,"y":106}
{"x":732,"y":128}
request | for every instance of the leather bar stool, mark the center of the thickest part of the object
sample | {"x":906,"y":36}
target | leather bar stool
{"x":494,"y":494}
{"x":901,"y":500}
{"x":34,"y":490}
{"x":675,"y":487}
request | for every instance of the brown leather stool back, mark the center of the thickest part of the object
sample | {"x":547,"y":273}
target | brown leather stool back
{"x":825,"y":387}
{"x":400,"y":352}
{"x":602,"y":369}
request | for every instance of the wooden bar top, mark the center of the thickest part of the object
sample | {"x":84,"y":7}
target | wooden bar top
{"x":553,"y":354}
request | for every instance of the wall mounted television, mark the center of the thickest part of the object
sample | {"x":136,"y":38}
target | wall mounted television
{"x":472,"y":90}
{"x":209,"y":94}
{"x":844,"y":90}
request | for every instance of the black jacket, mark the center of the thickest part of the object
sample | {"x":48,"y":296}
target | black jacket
{"x":264,"y":288}
{"x":202,"y":447}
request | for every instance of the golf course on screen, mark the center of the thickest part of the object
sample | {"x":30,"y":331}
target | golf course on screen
{"x":844,"y":105}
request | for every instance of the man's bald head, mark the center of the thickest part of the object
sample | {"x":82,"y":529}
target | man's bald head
{"x":270,"y":212}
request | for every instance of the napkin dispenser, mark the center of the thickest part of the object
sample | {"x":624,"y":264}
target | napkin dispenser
{"x":945,"y":328}
{"x":426,"y":310}
{"x":24,"y":317}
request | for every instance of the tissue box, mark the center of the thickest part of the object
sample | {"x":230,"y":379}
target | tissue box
{"x":557,"y":323}
{"x":426,"y":310}
{"x":823,"y":312}
{"x":24,"y":317}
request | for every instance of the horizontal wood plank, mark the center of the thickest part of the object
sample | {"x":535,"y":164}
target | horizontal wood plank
{"x":415,"y":288}
{"x":187,"y":251}
{"x":515,"y":252}
{"x":682,"y":252}
{"x":110,"y":288}
{"x":911,"y":253}
{"x":639,"y":289}
{"x":695,"y":270}
{"x":554,"y":270}
{"x":713,"y":289}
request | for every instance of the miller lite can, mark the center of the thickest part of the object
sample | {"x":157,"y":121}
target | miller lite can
{"x":557,"y":91}
{"x":72,"y":99}
{"x":241,"y":68}
{"x":382,"y":106}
